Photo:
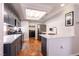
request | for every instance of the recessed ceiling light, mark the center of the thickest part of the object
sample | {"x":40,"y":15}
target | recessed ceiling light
{"x":62,"y":5}
{"x":34,"y":14}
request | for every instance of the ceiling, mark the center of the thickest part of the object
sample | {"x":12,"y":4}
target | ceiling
{"x":47,"y":7}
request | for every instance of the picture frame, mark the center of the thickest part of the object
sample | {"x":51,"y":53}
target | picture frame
{"x":69,"y":19}
{"x":50,"y":29}
{"x":53,"y":30}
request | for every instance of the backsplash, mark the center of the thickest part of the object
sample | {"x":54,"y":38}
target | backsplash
{"x":8,"y":29}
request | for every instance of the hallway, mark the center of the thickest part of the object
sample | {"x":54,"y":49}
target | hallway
{"x":31,"y":48}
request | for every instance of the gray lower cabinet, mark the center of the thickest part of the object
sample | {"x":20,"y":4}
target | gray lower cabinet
{"x":13,"y":48}
{"x":44,"y":46}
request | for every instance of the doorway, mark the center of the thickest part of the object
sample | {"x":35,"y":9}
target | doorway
{"x":32,"y":31}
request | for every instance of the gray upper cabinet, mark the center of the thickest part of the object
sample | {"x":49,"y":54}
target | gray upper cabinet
{"x":11,"y":20}
{"x":17,"y":22}
{"x":10,"y":17}
{"x":6,"y":17}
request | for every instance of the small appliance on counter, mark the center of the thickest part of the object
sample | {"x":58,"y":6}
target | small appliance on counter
{"x":9,"y":30}
{"x":19,"y":31}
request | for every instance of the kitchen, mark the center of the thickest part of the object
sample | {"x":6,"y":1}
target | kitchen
{"x":43,"y":22}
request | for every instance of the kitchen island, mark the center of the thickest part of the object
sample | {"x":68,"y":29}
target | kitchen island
{"x":12,"y":44}
{"x":52,"y":45}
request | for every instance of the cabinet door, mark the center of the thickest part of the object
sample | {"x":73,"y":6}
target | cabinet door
{"x":19,"y":23}
{"x":44,"y":46}
{"x":54,"y":47}
{"x":16,"y":22}
{"x":13,"y":49}
{"x":7,"y":49}
{"x":11,"y":20}
{"x":59,"y":46}
{"x":6,"y":18}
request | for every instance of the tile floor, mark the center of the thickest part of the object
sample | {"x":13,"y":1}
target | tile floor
{"x":31,"y":47}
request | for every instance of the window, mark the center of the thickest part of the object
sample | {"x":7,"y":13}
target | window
{"x":34,"y":14}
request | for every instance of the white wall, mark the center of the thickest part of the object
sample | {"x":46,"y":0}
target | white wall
{"x":1,"y":29}
{"x":25,"y":29}
{"x":76,"y":40}
{"x":59,"y":21}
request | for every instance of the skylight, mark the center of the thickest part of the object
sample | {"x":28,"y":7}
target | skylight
{"x":34,"y":14}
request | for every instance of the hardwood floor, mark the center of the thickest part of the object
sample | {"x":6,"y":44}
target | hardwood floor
{"x":31,"y":47}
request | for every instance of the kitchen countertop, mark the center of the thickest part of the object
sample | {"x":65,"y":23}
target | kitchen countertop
{"x":10,"y":38}
{"x":53,"y":36}
{"x":48,"y":36}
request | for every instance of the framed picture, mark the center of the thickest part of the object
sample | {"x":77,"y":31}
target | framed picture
{"x":50,"y":29}
{"x":53,"y":30}
{"x":69,"y":19}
